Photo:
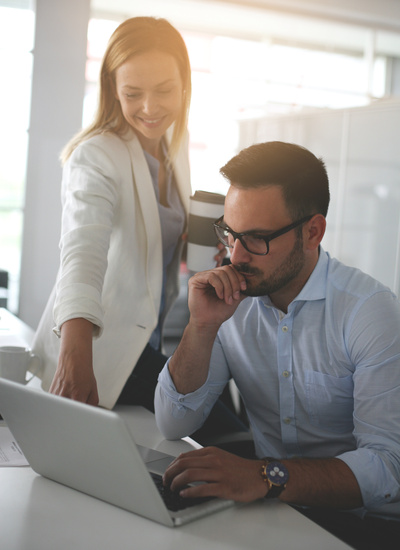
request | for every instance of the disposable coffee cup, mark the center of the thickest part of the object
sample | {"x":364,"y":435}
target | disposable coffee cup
{"x":15,"y":361}
{"x":205,"y":209}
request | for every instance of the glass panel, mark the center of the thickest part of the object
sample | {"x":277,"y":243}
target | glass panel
{"x":16,"y":43}
{"x":13,"y":168}
{"x":371,"y":213}
{"x":17,"y":29}
{"x":10,"y":247}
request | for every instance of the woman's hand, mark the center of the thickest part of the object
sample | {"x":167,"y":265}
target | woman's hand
{"x":74,"y":377}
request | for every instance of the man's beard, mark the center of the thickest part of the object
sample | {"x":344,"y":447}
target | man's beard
{"x":282,"y":276}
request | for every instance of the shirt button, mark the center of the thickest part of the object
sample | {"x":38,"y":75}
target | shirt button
{"x":286,"y":374}
{"x":287,"y":420}
{"x":181,"y":399}
{"x":285,"y":328}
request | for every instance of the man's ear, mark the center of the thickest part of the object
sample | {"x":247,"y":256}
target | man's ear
{"x":314,"y":231}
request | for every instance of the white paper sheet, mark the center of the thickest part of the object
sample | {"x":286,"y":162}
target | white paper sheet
{"x":10,"y":453}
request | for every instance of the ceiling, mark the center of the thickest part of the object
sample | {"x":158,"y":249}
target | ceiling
{"x":358,"y":26}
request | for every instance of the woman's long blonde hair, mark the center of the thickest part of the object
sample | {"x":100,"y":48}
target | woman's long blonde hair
{"x":135,"y":36}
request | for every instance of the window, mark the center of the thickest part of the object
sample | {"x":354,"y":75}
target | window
{"x":16,"y":43}
{"x":99,"y":31}
{"x":234,"y":78}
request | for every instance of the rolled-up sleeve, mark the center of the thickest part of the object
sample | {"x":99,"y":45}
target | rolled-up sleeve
{"x":89,"y":199}
{"x":376,"y":460}
{"x":179,"y":415}
{"x":377,"y":484}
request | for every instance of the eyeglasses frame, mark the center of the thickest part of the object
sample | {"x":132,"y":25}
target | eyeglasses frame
{"x":266,"y":238}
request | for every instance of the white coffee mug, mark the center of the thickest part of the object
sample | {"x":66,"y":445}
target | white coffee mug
{"x":205,"y":209}
{"x":15,"y":361}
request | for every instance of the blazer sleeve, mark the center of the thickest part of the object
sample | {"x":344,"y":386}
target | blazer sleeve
{"x":89,"y":197}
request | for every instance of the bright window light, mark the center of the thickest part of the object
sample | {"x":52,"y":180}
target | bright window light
{"x":16,"y":43}
{"x":235,"y":79}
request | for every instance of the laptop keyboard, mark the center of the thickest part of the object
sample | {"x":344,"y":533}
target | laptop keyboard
{"x":173,"y":500}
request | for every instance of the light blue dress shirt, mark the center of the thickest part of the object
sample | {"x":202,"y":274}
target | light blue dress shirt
{"x":322,"y":380}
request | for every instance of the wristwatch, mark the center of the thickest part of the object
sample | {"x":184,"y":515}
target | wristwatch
{"x":275,"y":475}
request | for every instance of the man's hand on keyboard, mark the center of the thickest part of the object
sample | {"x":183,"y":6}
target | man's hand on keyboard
{"x":223,"y":474}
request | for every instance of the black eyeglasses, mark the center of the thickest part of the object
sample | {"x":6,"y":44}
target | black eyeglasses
{"x":253,"y":242}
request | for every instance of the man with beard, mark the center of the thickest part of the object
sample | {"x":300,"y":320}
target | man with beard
{"x":314,"y":348}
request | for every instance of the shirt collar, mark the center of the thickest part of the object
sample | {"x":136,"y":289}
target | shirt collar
{"x":315,"y":287}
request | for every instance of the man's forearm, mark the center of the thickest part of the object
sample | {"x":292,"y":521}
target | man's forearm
{"x":312,"y":482}
{"x":189,"y":365}
{"x":213,"y":298}
{"x":321,"y":482}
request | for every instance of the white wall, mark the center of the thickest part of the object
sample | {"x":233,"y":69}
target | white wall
{"x":56,"y":114}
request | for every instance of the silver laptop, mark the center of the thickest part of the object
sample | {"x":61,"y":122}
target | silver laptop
{"x":92,"y":450}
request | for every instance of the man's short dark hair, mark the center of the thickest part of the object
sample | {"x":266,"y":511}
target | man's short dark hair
{"x":300,"y":174}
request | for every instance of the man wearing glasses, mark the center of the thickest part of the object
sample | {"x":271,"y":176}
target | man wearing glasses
{"x":314,"y":348}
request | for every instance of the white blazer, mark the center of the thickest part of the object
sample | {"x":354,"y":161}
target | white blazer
{"x":111,"y":258}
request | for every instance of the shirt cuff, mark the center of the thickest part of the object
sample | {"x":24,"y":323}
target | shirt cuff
{"x":377,"y":484}
{"x":78,"y":301}
{"x":192,"y":401}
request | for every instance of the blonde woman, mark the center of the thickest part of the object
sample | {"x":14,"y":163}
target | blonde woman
{"x":125,"y":193}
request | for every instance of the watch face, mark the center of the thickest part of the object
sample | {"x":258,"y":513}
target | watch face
{"x":277,"y":473}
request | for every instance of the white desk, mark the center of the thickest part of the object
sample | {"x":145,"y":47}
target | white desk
{"x":39,"y":514}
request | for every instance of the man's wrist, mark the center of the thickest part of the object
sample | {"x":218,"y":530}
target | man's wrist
{"x":206,"y":329}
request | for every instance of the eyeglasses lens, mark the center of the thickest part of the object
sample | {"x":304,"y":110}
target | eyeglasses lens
{"x":252,"y":244}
